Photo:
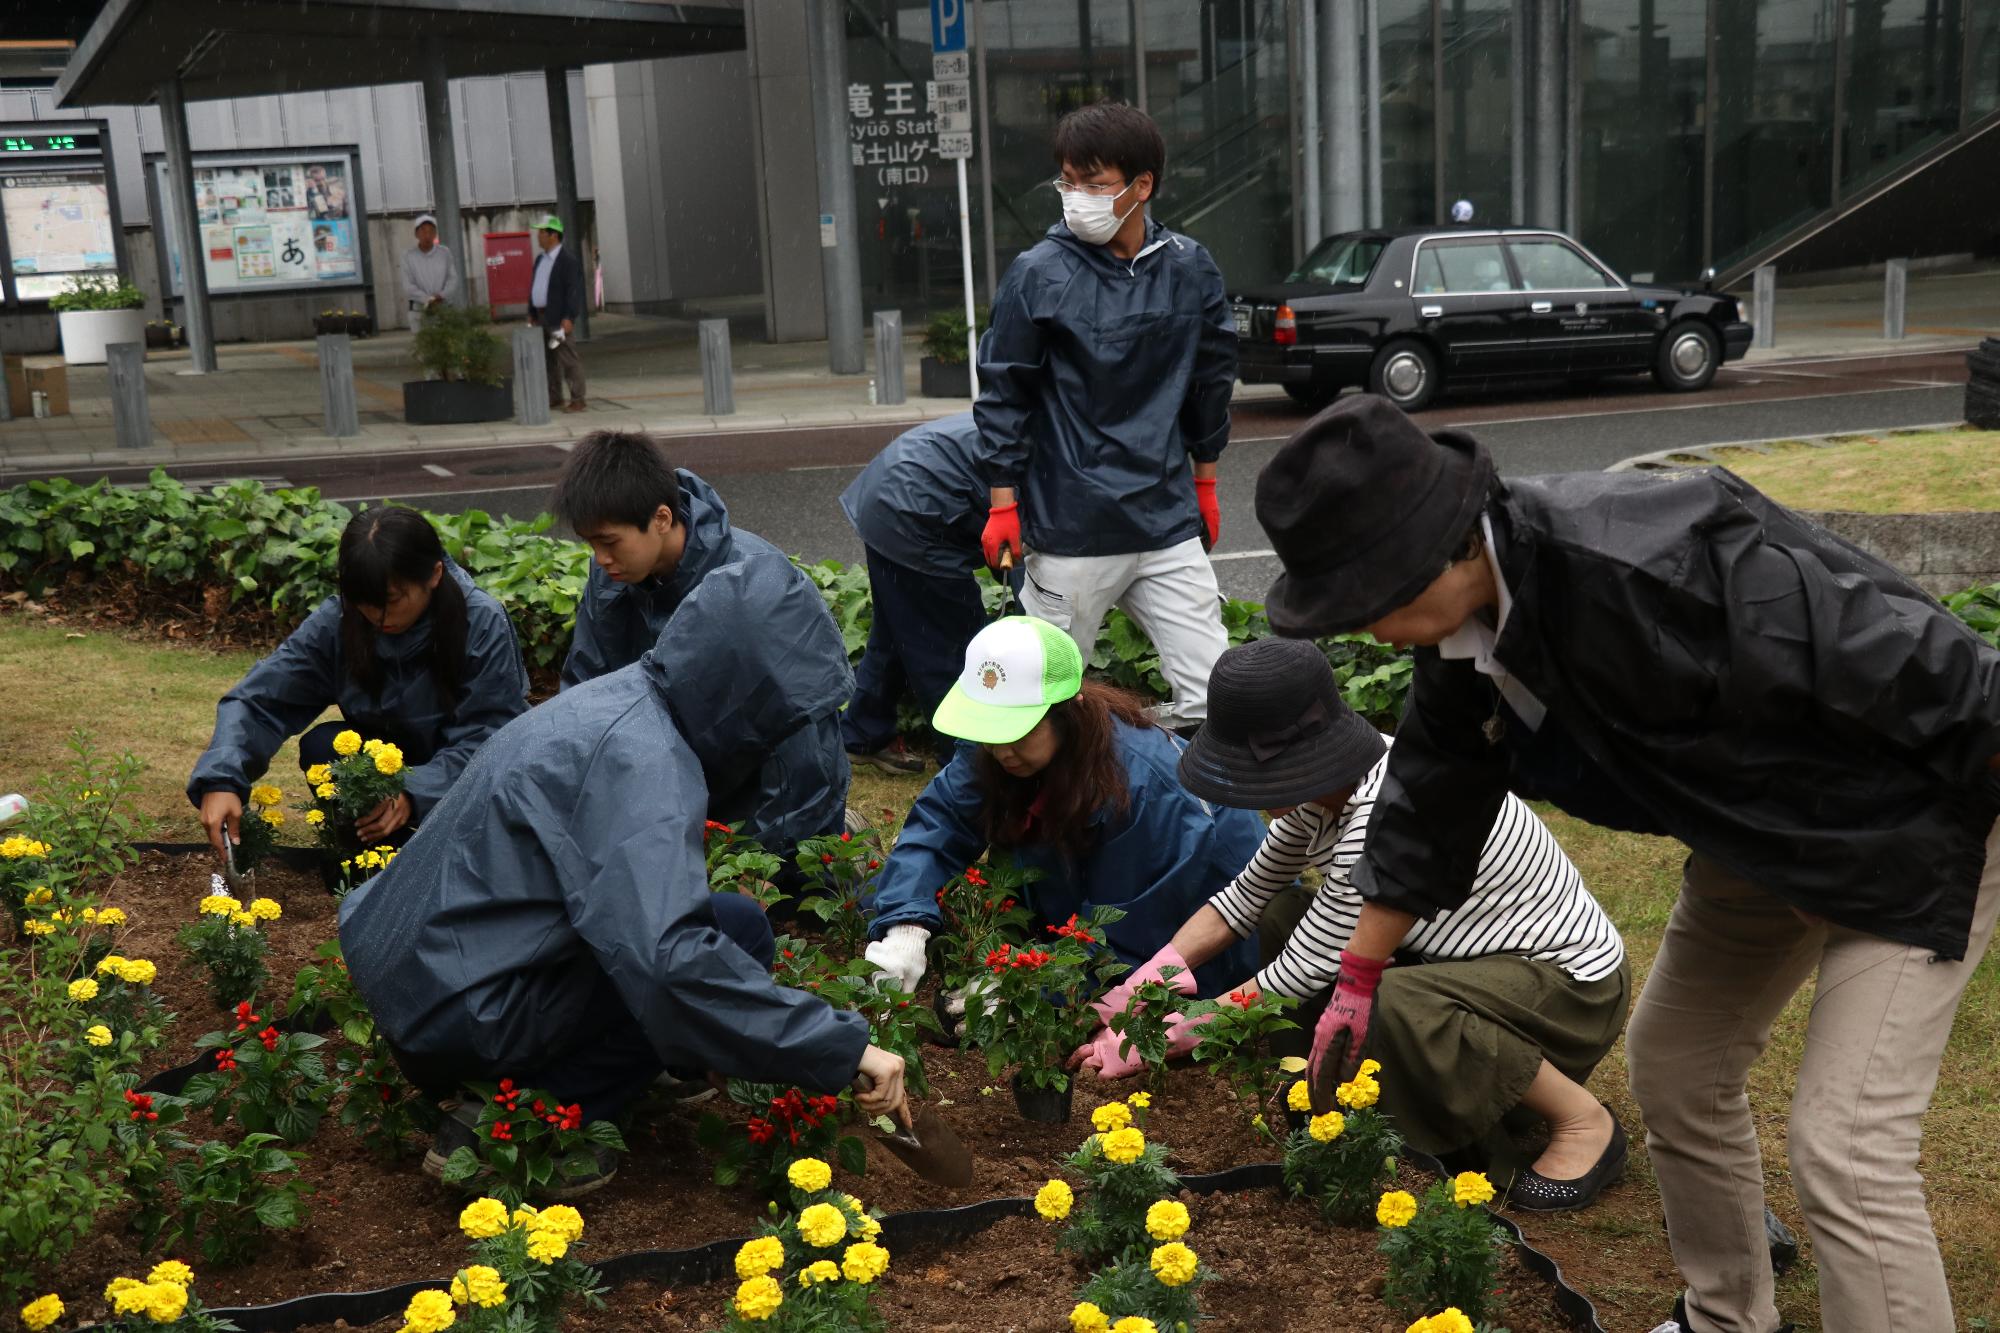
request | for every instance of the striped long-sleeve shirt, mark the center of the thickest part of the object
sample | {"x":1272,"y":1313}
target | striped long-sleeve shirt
{"x":1527,"y":898}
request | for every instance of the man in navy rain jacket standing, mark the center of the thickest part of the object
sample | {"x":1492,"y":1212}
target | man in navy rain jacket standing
{"x":1104,"y":404}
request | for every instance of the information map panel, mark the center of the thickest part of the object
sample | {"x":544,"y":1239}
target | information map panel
{"x":57,"y":212}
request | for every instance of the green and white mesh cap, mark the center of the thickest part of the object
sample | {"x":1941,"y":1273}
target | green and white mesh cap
{"x":1014,"y":669}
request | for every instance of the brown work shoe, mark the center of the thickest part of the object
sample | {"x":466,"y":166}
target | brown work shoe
{"x":573,"y":405}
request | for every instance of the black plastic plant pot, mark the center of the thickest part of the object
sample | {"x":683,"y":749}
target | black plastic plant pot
{"x":1044,"y":1106}
{"x":938,"y":379}
{"x":456,"y":402}
{"x":947,"y":1021}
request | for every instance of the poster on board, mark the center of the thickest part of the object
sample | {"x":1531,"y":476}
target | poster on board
{"x":272,"y":220}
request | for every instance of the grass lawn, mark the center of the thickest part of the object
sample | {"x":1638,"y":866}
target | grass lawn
{"x":1905,"y":472}
{"x":158,"y":702}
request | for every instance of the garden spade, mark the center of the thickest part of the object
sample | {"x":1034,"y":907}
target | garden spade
{"x":1010,"y":601}
{"x":230,"y":874}
{"x":925,"y":1144}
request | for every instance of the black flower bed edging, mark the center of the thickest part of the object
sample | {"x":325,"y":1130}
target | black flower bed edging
{"x":900,"y":1231}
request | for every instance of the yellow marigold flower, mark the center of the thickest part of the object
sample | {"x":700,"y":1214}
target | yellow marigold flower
{"x":853,"y":1205}
{"x":1470,"y":1187}
{"x":273,"y":816}
{"x":264,"y":909}
{"x":388,"y":761}
{"x":39,"y":896}
{"x":1326,"y":1128}
{"x":562,"y":1219}
{"x":110,"y":963}
{"x":1167,"y":1220}
{"x":1174,"y":1264}
{"x":129,"y":1298}
{"x":18,"y":847}
{"x":1369,"y":1069}
{"x":820,"y":1270}
{"x":265,"y":794}
{"x":138,"y":971}
{"x":482,"y":1219}
{"x":759,"y":1298}
{"x":42,"y":1311}
{"x":371,"y":745}
{"x":347,"y":743}
{"x":1140,"y":1100}
{"x":111,"y":916}
{"x":479,"y":1285}
{"x":1123,"y":1145}
{"x":1396,"y":1209}
{"x":809,"y":1174}
{"x":760,"y":1256}
{"x":1054,"y":1200}
{"x":97,"y":1034}
{"x":870,"y":1228}
{"x":822,"y":1225}
{"x":120,"y":1284}
{"x":165,"y":1301}
{"x":1452,"y":1320}
{"x":1087,"y":1318}
{"x":219,"y":904}
{"x":39,"y":927}
{"x":1133,"y":1323}
{"x":326,"y":791}
{"x":83,"y":989}
{"x":1299,"y":1097}
{"x":864,"y":1262}
{"x":172,"y":1270}
{"x":428,"y":1311}
{"x":315,"y":817}
{"x":1358,"y":1092}
{"x":242,"y":920}
{"x":1110,"y":1116}
{"x":319,"y":773}
{"x":546,"y":1245}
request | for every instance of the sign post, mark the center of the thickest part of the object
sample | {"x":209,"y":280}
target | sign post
{"x":951,"y":103}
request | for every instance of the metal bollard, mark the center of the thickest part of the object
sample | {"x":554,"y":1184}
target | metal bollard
{"x":1895,"y":297}
{"x":336,"y":385}
{"x":1765,"y":291}
{"x":718,"y":387}
{"x":531,"y":377}
{"x":889,"y":357}
{"x":127,"y":364}
{"x":7,"y":394}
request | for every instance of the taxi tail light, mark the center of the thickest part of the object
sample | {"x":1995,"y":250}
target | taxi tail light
{"x":1286,"y":331}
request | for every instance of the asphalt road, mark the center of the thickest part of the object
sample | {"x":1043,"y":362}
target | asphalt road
{"x":782,"y":484}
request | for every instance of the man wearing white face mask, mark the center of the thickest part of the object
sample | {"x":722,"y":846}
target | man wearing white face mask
{"x":1104,"y":406}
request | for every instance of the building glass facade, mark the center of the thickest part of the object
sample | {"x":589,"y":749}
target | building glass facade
{"x":1702,"y":130}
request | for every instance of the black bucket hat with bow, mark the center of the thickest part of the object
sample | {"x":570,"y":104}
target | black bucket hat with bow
{"x":1278,"y":733}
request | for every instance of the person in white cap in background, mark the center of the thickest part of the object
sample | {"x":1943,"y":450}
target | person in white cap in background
{"x":430,"y":273}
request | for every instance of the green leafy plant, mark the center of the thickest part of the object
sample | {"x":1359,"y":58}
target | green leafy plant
{"x":96,"y":291}
{"x":269,"y":1082}
{"x":227,"y":940}
{"x":790,"y":1124}
{"x":1338,"y":1161}
{"x":231,"y":1193}
{"x":378,"y":1105}
{"x":457,"y":342}
{"x":1444,"y":1250}
{"x":1124,"y":1175}
{"x":1036,"y":1009}
{"x":1142,"y":1025}
{"x":526,"y":1148}
{"x":741,"y":865}
{"x":838,"y":873}
{"x":811,"y":1271}
{"x":944,"y":334}
{"x":981,"y":911}
{"x":1235,"y":1042}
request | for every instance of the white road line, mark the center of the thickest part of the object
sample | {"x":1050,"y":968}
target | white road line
{"x":1243,"y":555}
{"x":826,"y":467}
{"x":564,"y":445}
{"x":437,"y":471}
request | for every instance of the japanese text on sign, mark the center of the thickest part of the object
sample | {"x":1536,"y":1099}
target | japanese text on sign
{"x":887,"y":133}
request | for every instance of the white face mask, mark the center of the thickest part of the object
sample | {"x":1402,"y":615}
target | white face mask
{"x":1094,"y":219}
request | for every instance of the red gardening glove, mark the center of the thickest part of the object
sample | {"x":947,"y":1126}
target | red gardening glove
{"x":1113,"y":1001}
{"x":1003,"y":533}
{"x":1100,"y":1054}
{"x":1337,"y":1039}
{"x":1211,"y":511}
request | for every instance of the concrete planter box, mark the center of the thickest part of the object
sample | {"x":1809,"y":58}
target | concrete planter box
{"x":945,"y":381}
{"x":86,"y":333}
{"x":1942,"y":553}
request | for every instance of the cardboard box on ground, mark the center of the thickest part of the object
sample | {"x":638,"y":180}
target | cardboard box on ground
{"x":25,"y":374}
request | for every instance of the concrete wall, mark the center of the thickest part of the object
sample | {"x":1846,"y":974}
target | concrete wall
{"x":1942,"y":553}
{"x":787,"y":178}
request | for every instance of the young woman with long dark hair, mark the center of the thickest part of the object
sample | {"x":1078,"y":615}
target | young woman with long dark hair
{"x":1069,"y":777}
{"x":408,"y":650}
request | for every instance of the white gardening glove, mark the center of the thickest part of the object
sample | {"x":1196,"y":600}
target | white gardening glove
{"x":900,"y":954}
{"x":975,"y":990}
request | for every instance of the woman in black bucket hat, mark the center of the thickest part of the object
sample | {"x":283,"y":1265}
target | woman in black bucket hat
{"x":1519,"y":993}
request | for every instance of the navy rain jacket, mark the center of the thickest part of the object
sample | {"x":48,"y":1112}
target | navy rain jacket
{"x":1160,"y":861}
{"x":287,"y":691}
{"x":1098,"y":380}
{"x":793,"y":783}
{"x":562,"y":885}
{"x":922,"y":502}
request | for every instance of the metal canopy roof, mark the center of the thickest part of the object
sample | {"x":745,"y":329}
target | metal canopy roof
{"x":244,"y":48}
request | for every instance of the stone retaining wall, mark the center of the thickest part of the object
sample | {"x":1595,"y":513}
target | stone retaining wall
{"x":1943,"y":553}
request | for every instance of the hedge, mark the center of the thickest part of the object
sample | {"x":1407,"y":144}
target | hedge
{"x":276,"y":550}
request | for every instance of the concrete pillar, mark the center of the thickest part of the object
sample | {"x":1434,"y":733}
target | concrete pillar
{"x":531,"y":377}
{"x":130,"y":419}
{"x":563,"y":150}
{"x":840,"y":248}
{"x":195,"y":316}
{"x":1895,"y":294}
{"x":1373,"y":102}
{"x":718,"y":383}
{"x":1312,"y":194}
{"x":444,"y":162}
{"x":336,"y":385}
{"x":1340,"y":115}
{"x":1550,"y":131}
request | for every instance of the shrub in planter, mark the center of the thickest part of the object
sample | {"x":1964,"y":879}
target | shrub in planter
{"x":944,"y":371}
{"x":1035,"y":1010}
{"x":466,"y":362}
{"x":1338,"y":1161}
{"x":162,"y":333}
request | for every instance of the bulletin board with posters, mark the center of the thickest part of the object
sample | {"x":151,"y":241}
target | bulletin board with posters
{"x":58,"y":210}
{"x":275,"y":220}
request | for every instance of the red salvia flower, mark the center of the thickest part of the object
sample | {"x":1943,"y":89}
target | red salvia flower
{"x":245,"y":1020}
{"x":572,"y":1116}
{"x":500,"y":1132}
{"x":760,"y":1130}
{"x":269,"y":1036}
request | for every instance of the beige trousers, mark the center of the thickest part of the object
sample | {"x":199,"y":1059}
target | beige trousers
{"x":1732,"y":956}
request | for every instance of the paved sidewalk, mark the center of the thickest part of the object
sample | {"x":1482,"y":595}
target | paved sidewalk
{"x":645,"y":373}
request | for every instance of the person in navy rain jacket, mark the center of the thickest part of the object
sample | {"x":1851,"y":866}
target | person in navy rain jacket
{"x":408,"y":650}
{"x":657,"y":537}
{"x":917,"y":507}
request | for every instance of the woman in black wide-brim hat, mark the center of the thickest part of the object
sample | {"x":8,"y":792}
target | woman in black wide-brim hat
{"x":1509,"y":1001}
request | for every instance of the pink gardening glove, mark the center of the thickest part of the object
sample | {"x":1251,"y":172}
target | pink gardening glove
{"x":1113,"y":1002}
{"x":1336,"y":1048}
{"x":1100,"y":1054}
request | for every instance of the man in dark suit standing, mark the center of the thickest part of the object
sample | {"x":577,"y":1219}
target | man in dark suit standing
{"x":555,"y":302}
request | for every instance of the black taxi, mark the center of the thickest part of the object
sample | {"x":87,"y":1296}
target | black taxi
{"x":1404,"y":312}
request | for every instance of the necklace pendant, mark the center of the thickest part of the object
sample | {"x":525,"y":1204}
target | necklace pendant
{"x":1494,"y":729}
